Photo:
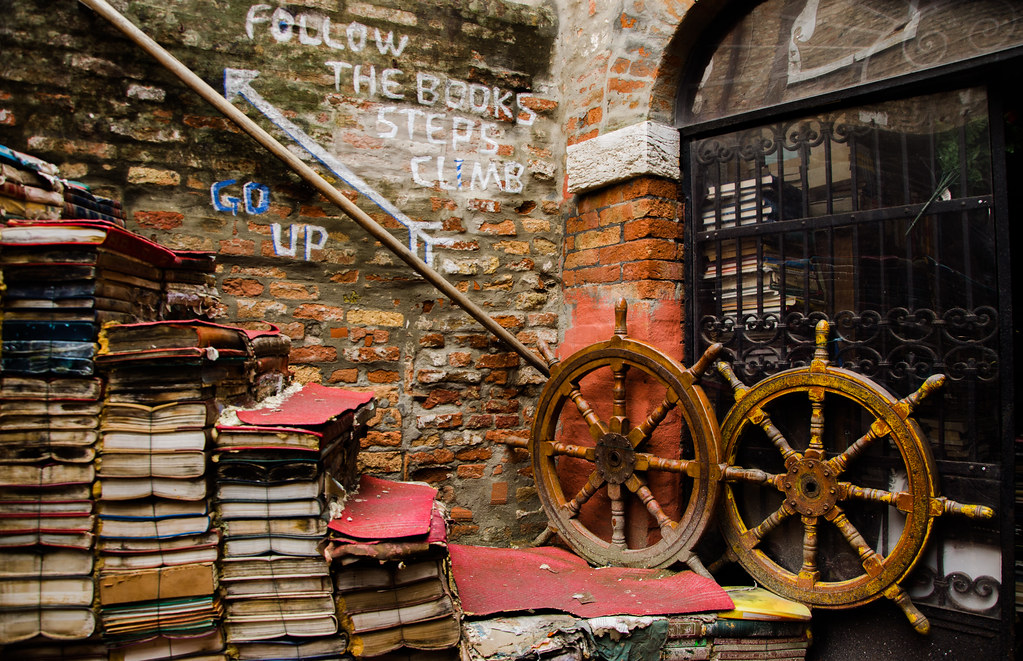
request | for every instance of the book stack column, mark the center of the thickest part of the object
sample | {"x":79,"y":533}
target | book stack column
{"x":389,"y":560}
{"x":158,"y":545}
{"x":270,"y":480}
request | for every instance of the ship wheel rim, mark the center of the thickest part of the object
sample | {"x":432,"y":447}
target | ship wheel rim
{"x":693,"y":405}
{"x":921,"y":485}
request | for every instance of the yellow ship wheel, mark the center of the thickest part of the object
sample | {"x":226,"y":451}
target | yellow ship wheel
{"x":777,"y":514}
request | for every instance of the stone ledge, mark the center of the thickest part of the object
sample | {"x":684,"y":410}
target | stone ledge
{"x":648,"y":148}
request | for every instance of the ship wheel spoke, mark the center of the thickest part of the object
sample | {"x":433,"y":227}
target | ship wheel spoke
{"x":753,"y":536}
{"x":596,"y":426}
{"x":594,"y":482}
{"x":878,"y":429}
{"x":619,"y":419}
{"x":636,"y":485}
{"x":870,"y":559}
{"x":645,"y":429}
{"x":758,"y":416}
{"x":751,"y":476}
{"x":645,"y":462}
{"x":569,"y":450}
{"x":808,"y":573}
{"x":854,"y":492}
{"x":614,"y":492}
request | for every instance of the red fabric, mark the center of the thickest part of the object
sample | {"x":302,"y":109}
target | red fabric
{"x":383,"y":510}
{"x":492,"y":580}
{"x":312,"y":405}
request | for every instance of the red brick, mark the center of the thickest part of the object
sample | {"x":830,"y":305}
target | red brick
{"x":621,"y":65}
{"x":479,"y":422}
{"x":383,"y":376}
{"x":538,"y":104}
{"x":237,"y":247}
{"x":652,"y":270}
{"x":545,"y":319}
{"x":599,"y":198}
{"x":655,"y":208}
{"x":345,"y":277}
{"x":582,"y":258}
{"x":459,"y":530}
{"x":582,"y":222}
{"x":598,"y":238}
{"x":160,"y":220}
{"x":487,"y":206}
{"x":381,"y":438}
{"x":652,"y":228}
{"x":596,"y":275}
{"x":502,"y":406}
{"x":433,"y":476}
{"x":439,"y":421}
{"x":241,"y":287}
{"x":504,"y":228}
{"x":459,"y":359}
{"x":593,"y":116}
{"x":432,"y":457}
{"x":625,"y":86}
{"x":372,"y":354}
{"x":471,"y":471}
{"x":498,"y":492}
{"x":498,"y":360}
{"x":461,"y":514}
{"x":474,"y":454}
{"x":294,"y":291}
{"x":350,"y":375}
{"x":574,"y":140}
{"x":508,"y":321}
{"x":432,"y":341}
{"x":639,"y":250}
{"x":441,"y":396}
{"x":507,"y":421}
{"x":658,"y":290}
{"x":319,"y":312}
{"x":643,"y":186}
{"x":313,"y":354}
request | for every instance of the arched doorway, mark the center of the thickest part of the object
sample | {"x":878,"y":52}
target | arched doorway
{"x":858,"y":162}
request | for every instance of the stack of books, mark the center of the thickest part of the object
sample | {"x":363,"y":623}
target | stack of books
{"x":190,"y":287}
{"x":30,"y":188}
{"x":156,"y":531}
{"x":81,"y":203}
{"x":389,"y":553}
{"x":742,"y":203}
{"x":270,"y":479}
{"x":47,"y":437}
{"x":270,"y":350}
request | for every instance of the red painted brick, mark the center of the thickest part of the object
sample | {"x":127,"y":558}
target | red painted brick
{"x":160,"y":220}
{"x":652,"y":270}
{"x":237,"y":247}
{"x":658,"y":290}
{"x":595,"y":275}
{"x":498,"y":492}
{"x":350,"y":375}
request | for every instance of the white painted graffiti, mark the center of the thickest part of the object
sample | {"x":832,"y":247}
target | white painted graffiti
{"x":317,"y":30}
{"x":315,"y":239}
{"x":237,"y":82}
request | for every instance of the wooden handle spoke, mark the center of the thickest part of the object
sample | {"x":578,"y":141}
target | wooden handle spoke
{"x":619,"y":396}
{"x":751,"y":476}
{"x":815,"y":448}
{"x":808,"y":573}
{"x":878,"y":429}
{"x":638,"y":487}
{"x":646,"y":428}
{"x":597,"y":427}
{"x":869,"y":558}
{"x":900,"y":499}
{"x":614,"y":492}
{"x":917,"y":619}
{"x":775,"y":436}
{"x":646,"y":461}
{"x":577,"y":451}
{"x":592,"y":484}
{"x":753,"y":536}
{"x":942,"y":505}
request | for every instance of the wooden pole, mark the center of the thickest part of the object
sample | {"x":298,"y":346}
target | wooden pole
{"x":203,"y":89}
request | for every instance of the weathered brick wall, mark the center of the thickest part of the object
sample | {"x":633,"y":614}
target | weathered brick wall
{"x":448,"y":109}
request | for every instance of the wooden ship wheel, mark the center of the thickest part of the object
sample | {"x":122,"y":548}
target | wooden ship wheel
{"x":614,"y":461}
{"x":814,"y":492}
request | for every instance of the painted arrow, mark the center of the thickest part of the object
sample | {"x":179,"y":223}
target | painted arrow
{"x":238,"y":82}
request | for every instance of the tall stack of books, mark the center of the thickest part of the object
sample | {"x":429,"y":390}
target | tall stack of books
{"x":270,"y":477}
{"x":190,"y":287}
{"x":742,"y":203}
{"x":271,"y":373}
{"x":158,"y":543}
{"x":389,"y":553}
{"x":47,"y":437}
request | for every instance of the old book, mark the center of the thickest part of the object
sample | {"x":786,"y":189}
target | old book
{"x":194,"y":580}
{"x":33,"y":563}
{"x":329,"y":647}
{"x":172,"y":416}
{"x":168,"y":558}
{"x":439,"y":633}
{"x":49,"y":388}
{"x":155,"y":546}
{"x":162,"y":487}
{"x":195,"y":648}
{"x":374,"y":575}
{"x":362,"y":601}
{"x":136,"y":527}
{"x":29,"y":454}
{"x":50,"y":437}
{"x":278,"y":586}
{"x":265,"y":437}
{"x":269,"y":566}
{"x":280,"y":605}
{"x":170,"y":334}
{"x":68,"y":540}
{"x":396,"y":617}
{"x":293,"y":526}
{"x":172,"y":464}
{"x":262,"y":491}
{"x":53,"y":623}
{"x":244,"y":629}
{"x":47,"y":474}
{"x":284,"y":466}
{"x":46,"y":592}
{"x":242,"y":509}
{"x":46,"y":504}
{"x":53,"y":523}
{"x":55,"y":408}
{"x":278,"y":544}
{"x":181,"y":440}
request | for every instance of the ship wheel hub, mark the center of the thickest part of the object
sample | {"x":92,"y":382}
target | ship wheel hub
{"x":615,"y":458}
{"x":811,"y":488}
